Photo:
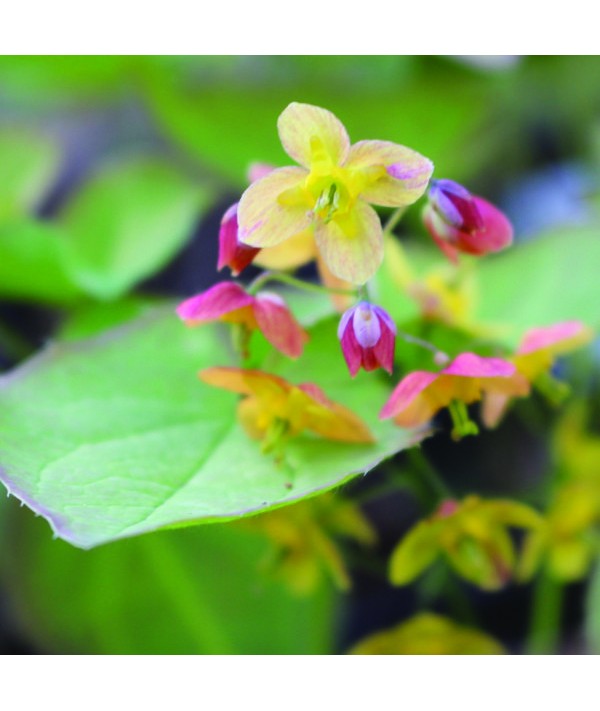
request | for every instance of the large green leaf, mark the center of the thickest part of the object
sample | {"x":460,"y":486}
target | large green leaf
{"x":553,"y":278}
{"x":438,"y":118}
{"x":114,"y":437}
{"x":28,"y":163}
{"x":31,"y":265}
{"x":127,"y":222}
{"x":195,"y":591}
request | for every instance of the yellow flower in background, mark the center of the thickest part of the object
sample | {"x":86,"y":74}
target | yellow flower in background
{"x":332,"y":192}
{"x":471,"y":535}
{"x":569,"y":542}
{"x":305,"y":547}
{"x":427,"y":633}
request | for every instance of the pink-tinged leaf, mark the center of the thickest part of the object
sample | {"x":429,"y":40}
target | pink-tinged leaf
{"x":278,"y":326}
{"x":211,"y":305}
{"x":391,"y":175}
{"x":310,"y":133}
{"x":274,"y":209}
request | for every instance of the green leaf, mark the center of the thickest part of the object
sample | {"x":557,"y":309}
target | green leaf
{"x":28,"y":164}
{"x":116,"y":436}
{"x":31,"y":265}
{"x":436,"y":118}
{"x":195,"y":591}
{"x":551,"y":279}
{"x":127,"y":222}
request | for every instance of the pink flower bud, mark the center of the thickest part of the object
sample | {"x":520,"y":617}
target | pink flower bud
{"x":455,"y":205}
{"x":461,"y":222}
{"x":368,"y":335}
{"x":232,"y":253}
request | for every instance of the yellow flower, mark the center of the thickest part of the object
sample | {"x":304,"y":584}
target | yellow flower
{"x":427,"y":633}
{"x":306,"y":551}
{"x":274,"y":409}
{"x":471,"y":535}
{"x":568,"y":543}
{"x":331,"y":192}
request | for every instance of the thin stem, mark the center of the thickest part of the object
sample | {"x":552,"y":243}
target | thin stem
{"x":546,"y":612}
{"x":393,"y":220}
{"x":424,"y":344}
{"x":436,"y":485}
{"x":463,"y":425}
{"x":298,"y":283}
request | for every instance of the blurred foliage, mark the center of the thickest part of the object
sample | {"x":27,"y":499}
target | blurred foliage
{"x":428,"y":634}
{"x":193,"y":591}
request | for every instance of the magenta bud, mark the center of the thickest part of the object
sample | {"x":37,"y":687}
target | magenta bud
{"x":232,"y":253}
{"x":461,"y":222}
{"x":455,"y":205}
{"x":368,"y":336}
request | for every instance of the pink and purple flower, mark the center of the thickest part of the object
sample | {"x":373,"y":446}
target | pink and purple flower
{"x":461,"y":222}
{"x":368,"y":335}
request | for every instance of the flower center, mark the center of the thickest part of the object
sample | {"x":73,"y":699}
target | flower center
{"x":328,"y":194}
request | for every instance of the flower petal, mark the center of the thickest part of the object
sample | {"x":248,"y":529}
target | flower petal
{"x":351,"y":244}
{"x":225,"y":301}
{"x":333,"y":421}
{"x":470,"y":365}
{"x":273,"y":209}
{"x":310,"y":134}
{"x":232,"y":253}
{"x":496,"y":235}
{"x":278,"y":326}
{"x":411,"y":403}
{"x":245,"y":382}
{"x":389,"y":174}
{"x":294,"y":252}
{"x":558,"y":338}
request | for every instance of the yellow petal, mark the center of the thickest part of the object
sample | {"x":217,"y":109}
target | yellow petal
{"x":245,"y":382}
{"x":273,"y":209}
{"x":351,"y":244}
{"x":388,"y":174}
{"x":294,"y":252}
{"x":328,"y":419}
{"x":313,"y":136}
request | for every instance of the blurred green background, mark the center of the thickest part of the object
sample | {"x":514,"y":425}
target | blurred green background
{"x":114,"y":172}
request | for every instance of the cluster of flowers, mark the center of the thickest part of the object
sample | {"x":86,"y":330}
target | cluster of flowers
{"x":322,"y":210}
